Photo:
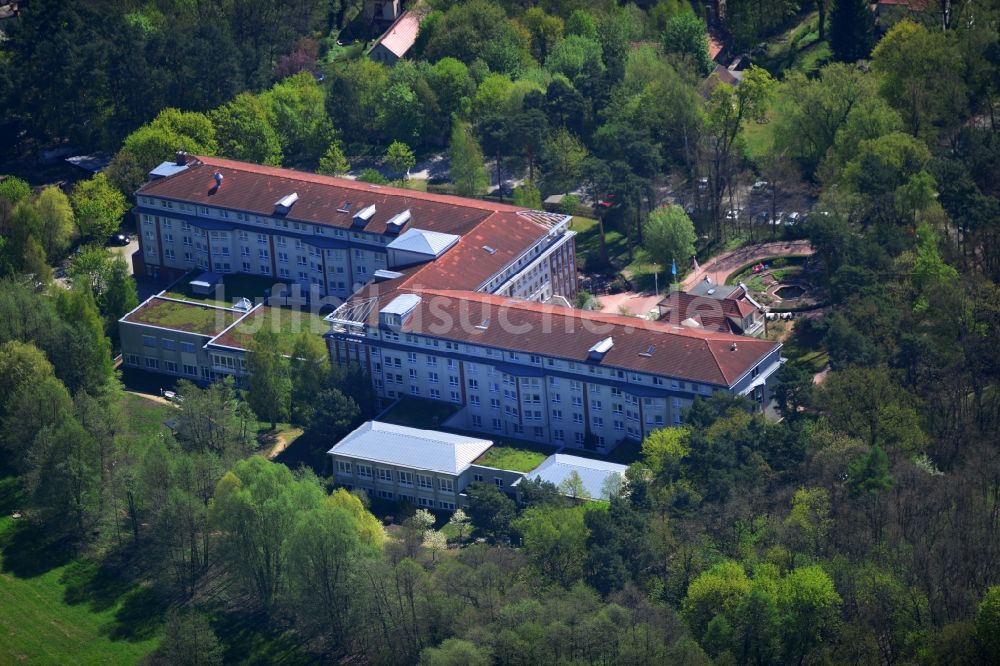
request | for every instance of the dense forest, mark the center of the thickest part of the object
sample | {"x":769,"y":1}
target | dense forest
{"x":863,"y":527}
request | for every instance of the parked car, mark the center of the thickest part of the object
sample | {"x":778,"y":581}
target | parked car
{"x":734,"y":213}
{"x":702,"y":184}
{"x":118,"y":239}
{"x":793,"y":218}
{"x":760,"y":187}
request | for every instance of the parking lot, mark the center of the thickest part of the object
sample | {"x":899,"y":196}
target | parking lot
{"x":752,"y":203}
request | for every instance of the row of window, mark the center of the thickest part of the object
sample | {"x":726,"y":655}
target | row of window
{"x":222,"y":213}
{"x":168,"y":366}
{"x":419,"y":501}
{"x":167,"y":343}
{"x":535,"y":359}
{"x":403,"y":477}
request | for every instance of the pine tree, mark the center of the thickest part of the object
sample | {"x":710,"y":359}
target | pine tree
{"x":851,"y":30}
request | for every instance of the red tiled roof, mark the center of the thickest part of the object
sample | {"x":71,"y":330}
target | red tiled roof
{"x":508,"y":230}
{"x":401,"y":35}
{"x":536,"y":328}
{"x":467,"y":265}
{"x":255,"y":188}
{"x":714,"y":47}
{"x":712,"y":313}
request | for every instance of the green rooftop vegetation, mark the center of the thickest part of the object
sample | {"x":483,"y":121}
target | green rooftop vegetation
{"x":287,"y":323}
{"x":233,"y":286}
{"x":515,"y":455}
{"x":191,"y":317}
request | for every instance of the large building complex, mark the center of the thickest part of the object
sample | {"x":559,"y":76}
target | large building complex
{"x":449,"y":299}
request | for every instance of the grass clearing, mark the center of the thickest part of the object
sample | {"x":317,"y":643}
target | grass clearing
{"x":797,"y":49}
{"x":758,"y":139}
{"x":415,"y":184}
{"x":144,"y":417}
{"x":56,"y":610}
{"x":588,"y":243}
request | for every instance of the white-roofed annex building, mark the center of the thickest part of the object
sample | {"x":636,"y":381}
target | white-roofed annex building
{"x":431,"y":469}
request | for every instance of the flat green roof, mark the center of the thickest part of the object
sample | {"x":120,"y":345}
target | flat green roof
{"x":515,"y":456}
{"x":232,"y":287}
{"x":287,"y":323}
{"x":184,"y":316}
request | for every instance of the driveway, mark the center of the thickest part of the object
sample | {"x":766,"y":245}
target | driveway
{"x":127,"y":251}
{"x":720,"y":267}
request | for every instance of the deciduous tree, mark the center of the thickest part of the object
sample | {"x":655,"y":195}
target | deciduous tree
{"x":245,"y":131}
{"x":269,"y":387}
{"x":400,"y":158}
{"x":56,"y":223}
{"x":256,"y":508}
{"x":99,"y":207}
{"x":468,"y":169}
{"x":687,"y":36}
{"x":669,"y":236}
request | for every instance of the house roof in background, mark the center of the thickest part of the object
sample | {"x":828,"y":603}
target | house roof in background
{"x":430,"y":450}
{"x":401,"y":35}
{"x":711,"y":313}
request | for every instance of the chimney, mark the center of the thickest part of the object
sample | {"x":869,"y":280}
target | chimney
{"x":181,"y":157}
{"x":218,"y":179}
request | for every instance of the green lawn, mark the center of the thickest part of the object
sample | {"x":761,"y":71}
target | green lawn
{"x":588,"y":243}
{"x":758,"y":138}
{"x":516,"y":456}
{"x":144,"y":417}
{"x":797,"y":49}
{"x":416,"y":184}
{"x":54,"y":610}
{"x":418,"y":413}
